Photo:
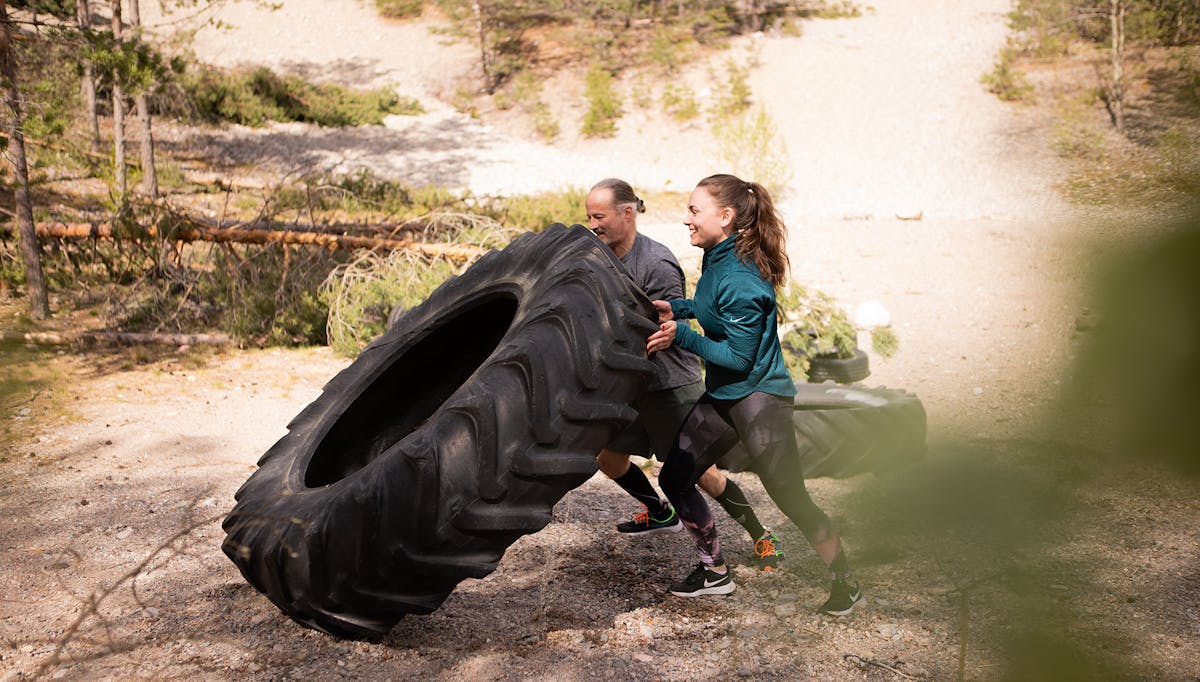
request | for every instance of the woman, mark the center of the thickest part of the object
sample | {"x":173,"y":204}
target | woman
{"x":748,"y":392}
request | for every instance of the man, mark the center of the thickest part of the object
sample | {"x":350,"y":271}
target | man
{"x":612,"y":209}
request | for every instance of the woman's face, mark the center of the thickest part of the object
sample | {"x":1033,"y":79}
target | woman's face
{"x":708,"y":222}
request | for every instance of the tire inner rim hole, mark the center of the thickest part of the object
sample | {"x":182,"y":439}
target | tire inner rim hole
{"x":409,"y":391}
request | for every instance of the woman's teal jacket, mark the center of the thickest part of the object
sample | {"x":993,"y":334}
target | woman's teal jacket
{"x":740,"y":346}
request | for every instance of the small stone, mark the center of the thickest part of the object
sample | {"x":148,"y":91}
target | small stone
{"x":27,"y":649}
{"x":24,"y":411}
{"x":978,"y":390}
{"x":883,"y":602}
{"x":152,"y":611}
{"x":124,"y":533}
{"x":643,"y":658}
{"x":785,"y":610}
{"x":887,"y":630}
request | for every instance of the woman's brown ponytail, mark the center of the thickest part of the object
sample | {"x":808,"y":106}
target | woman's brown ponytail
{"x":758,"y":228}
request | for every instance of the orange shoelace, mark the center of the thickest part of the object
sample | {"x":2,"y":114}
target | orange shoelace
{"x":764,"y":547}
{"x":642,"y":517}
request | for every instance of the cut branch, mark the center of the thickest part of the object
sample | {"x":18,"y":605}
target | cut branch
{"x":128,"y":338}
{"x":252,"y":234}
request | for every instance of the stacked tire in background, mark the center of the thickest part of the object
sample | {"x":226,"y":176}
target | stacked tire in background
{"x":845,"y":430}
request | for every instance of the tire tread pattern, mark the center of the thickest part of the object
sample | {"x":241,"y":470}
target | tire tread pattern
{"x":443,"y":503}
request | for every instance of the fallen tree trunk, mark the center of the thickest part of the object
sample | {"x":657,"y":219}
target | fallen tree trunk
{"x":254,"y":235}
{"x":158,"y":338}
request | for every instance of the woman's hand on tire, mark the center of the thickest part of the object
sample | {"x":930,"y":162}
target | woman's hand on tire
{"x":664,"y":311}
{"x":661,"y":339}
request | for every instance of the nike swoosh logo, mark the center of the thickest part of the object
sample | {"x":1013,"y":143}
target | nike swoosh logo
{"x":715,"y":582}
{"x":737,"y":319}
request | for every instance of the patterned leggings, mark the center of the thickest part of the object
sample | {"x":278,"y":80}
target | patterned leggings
{"x":763,"y":423}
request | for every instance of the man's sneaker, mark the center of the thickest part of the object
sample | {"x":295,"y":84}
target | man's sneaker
{"x":644,"y":524}
{"x":704,"y":581}
{"x":842,"y":598}
{"x":768,"y":553}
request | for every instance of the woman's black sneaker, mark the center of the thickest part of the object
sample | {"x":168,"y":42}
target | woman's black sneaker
{"x":702,"y":581}
{"x":842,"y":598}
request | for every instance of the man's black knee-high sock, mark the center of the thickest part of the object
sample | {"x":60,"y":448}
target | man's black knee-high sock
{"x":634,"y":482}
{"x":733,"y":500}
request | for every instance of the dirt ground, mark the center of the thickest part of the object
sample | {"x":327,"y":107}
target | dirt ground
{"x":118,"y":470}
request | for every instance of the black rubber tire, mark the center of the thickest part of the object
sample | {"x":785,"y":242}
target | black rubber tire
{"x":822,"y":368}
{"x":450,"y":436}
{"x":843,"y":431}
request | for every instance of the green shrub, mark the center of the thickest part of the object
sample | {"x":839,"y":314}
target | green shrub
{"x":49,"y":86}
{"x":714,"y":24}
{"x":734,"y":98}
{"x":1189,"y":90}
{"x":811,"y":324}
{"x":1178,"y":151}
{"x":679,"y":102}
{"x":1006,"y":81}
{"x":364,"y":192}
{"x":669,"y":48}
{"x":362,"y":293}
{"x":749,"y":147}
{"x":261,"y":295}
{"x":526,"y":91}
{"x":544,"y":121}
{"x":884,"y":342}
{"x":604,"y":104}
{"x":839,"y":9}
{"x":400,"y":9}
{"x":63,"y":9}
{"x":536,"y":211}
{"x":255,"y":97}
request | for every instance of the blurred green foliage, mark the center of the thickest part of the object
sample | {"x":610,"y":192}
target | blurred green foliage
{"x":1141,"y":354}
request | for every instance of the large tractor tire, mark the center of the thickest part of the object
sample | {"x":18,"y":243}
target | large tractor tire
{"x":450,"y":436}
{"x":843,"y":431}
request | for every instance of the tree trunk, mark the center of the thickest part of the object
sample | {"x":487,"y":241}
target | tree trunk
{"x":31,"y":255}
{"x":1116,"y":95}
{"x":481,"y":28}
{"x":251,"y":233}
{"x":118,"y":113}
{"x":83,"y":16}
{"x":149,"y":171}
